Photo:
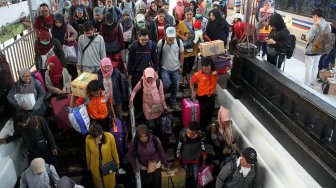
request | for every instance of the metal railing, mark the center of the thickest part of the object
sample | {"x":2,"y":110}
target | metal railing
{"x":20,"y":53}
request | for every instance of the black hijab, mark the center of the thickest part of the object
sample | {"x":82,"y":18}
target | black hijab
{"x":59,"y":32}
{"x":216,"y":26}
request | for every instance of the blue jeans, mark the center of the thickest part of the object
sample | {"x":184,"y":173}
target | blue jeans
{"x":191,"y":171}
{"x":170,"y":81}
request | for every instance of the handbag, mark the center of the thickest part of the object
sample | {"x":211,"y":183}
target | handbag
{"x":79,"y":119}
{"x":205,"y":174}
{"x":70,"y":53}
{"x":151,"y":166}
{"x":108,"y":168}
{"x":156,"y":108}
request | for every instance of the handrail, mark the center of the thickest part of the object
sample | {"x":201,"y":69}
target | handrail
{"x":137,"y":175}
{"x":20,"y":54}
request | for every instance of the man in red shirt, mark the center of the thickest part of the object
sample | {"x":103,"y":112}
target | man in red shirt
{"x":206,"y":80}
{"x":44,"y":21}
{"x":157,"y":27}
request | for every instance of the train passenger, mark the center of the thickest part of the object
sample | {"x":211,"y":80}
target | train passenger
{"x":57,"y":78}
{"x":98,"y":105}
{"x":149,"y":151}
{"x":206,"y":79}
{"x":98,"y":18}
{"x":39,"y":175}
{"x":44,"y":21}
{"x":243,"y":172}
{"x":28,"y":85}
{"x":185,"y":32}
{"x":277,"y":41}
{"x":263,"y":27}
{"x":142,"y":54}
{"x":66,"y":35}
{"x":311,"y":58}
{"x":222,"y":136}
{"x":91,"y":49}
{"x":45,"y":47}
{"x":66,"y":182}
{"x":153,"y":98}
{"x":128,"y":26}
{"x":37,"y":137}
{"x":112,"y":80}
{"x":100,"y":148}
{"x":158,"y":26}
{"x":171,"y":62}
{"x":190,"y":147}
{"x":217,"y":28}
{"x":178,"y":11}
{"x":80,"y":17}
{"x":237,"y":32}
{"x":328,"y":60}
{"x":152,"y":11}
{"x":114,"y":41}
{"x":168,"y":16}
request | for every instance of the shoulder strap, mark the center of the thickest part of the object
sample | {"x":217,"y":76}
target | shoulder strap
{"x":158,"y":84}
{"x":122,"y":5}
{"x":88,"y":44}
{"x":162,"y":44}
{"x":178,"y":43}
{"x":189,"y":27}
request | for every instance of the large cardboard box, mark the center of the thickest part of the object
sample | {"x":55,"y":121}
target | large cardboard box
{"x":178,"y":175}
{"x":79,"y":85}
{"x":212,"y":48}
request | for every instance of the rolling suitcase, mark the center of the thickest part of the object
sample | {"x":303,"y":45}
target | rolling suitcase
{"x":59,"y":106}
{"x":120,"y":137}
{"x":190,"y":111}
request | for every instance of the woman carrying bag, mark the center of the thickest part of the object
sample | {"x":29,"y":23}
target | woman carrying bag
{"x":101,"y":157}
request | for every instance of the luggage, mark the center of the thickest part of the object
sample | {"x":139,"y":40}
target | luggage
{"x":79,"y":119}
{"x":174,"y":177}
{"x":119,"y":134}
{"x":79,"y":85}
{"x":166,"y":124}
{"x":190,"y":111}
{"x":59,"y":106}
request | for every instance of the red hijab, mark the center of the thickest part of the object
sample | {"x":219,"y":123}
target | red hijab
{"x":43,"y":49}
{"x":55,"y":71}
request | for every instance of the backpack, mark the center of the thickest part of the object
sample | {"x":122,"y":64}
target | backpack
{"x":324,"y":41}
{"x":136,"y":144}
{"x":163,"y":42}
{"x":292,"y":43}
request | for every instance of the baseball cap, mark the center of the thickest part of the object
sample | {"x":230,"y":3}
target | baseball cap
{"x":171,"y":32}
{"x":38,"y":165}
{"x":250,"y":155}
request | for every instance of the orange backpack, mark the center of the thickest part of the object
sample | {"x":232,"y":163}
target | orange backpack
{"x":97,"y":107}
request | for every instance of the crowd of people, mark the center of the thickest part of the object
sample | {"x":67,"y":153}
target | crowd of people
{"x":139,"y":44}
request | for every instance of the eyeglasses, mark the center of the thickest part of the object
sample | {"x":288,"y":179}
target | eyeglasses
{"x":44,"y":10}
{"x":143,"y":40}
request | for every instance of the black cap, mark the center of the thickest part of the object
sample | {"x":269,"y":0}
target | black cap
{"x":250,"y":155}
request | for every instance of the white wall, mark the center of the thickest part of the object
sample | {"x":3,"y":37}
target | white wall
{"x":13,"y":12}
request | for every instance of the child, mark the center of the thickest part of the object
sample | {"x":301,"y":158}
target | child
{"x":190,"y":147}
{"x":198,"y":32}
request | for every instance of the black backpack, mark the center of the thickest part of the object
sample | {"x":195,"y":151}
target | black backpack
{"x":292,"y":43}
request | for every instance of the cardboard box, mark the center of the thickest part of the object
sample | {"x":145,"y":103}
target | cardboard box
{"x":212,"y":48}
{"x":79,"y":85}
{"x":178,"y":175}
{"x":332,"y":86}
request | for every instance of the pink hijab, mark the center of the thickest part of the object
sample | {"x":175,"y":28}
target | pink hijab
{"x":224,"y":114}
{"x":149,"y":87}
{"x":106,"y":62}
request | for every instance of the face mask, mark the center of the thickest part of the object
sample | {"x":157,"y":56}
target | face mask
{"x":101,"y":5}
{"x":86,"y":4}
{"x":199,"y":16}
{"x":67,"y":7}
{"x":44,"y":42}
{"x":109,"y":24}
{"x":141,"y":25}
{"x":109,"y":6}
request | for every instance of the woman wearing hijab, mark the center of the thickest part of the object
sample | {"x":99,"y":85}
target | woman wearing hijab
{"x":66,"y":35}
{"x":45,"y":47}
{"x":28,"y":85}
{"x":127,"y":24}
{"x":217,"y":28}
{"x":152,"y":11}
{"x":178,"y":11}
{"x":100,"y":148}
{"x":149,"y":151}
{"x":80,"y":17}
{"x":186,"y":33}
{"x":114,"y":41}
{"x":153,"y":98}
{"x":222,"y":136}
{"x":57,"y":78}
{"x":112,"y":80}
